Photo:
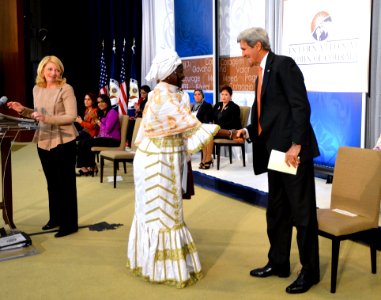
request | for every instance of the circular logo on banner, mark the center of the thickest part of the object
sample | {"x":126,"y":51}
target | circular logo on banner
{"x":320,"y":26}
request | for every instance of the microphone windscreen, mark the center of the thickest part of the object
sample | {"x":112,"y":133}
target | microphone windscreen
{"x":3,"y":100}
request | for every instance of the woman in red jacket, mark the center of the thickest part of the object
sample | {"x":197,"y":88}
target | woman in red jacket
{"x":87,"y":123}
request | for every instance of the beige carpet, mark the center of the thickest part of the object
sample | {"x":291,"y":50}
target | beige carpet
{"x":230,"y":236}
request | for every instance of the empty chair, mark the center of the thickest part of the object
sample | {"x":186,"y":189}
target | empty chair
{"x":355,"y":202}
{"x":117,"y":156}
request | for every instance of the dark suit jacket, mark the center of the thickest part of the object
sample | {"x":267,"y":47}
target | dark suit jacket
{"x":229,"y":117}
{"x":204,"y":113}
{"x":285,"y":114}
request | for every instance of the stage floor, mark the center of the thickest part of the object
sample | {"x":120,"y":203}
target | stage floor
{"x":241,"y":175}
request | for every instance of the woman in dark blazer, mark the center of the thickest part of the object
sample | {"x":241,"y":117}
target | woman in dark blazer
{"x":226,"y":113}
{"x":202,"y":109}
{"x":204,"y":113}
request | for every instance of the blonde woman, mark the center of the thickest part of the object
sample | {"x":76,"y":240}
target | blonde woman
{"x":55,"y":110}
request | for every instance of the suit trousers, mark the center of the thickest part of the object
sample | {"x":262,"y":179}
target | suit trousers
{"x":292,"y":202}
{"x":59,"y":169}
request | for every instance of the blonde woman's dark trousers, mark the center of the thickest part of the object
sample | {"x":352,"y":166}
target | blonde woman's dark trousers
{"x":59,"y":169}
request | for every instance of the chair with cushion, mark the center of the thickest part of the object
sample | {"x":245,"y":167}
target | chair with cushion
{"x":117,"y":156}
{"x":124,"y":122}
{"x":355,"y":203}
{"x":218,"y":142}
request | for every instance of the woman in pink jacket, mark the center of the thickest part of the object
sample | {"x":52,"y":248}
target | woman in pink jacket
{"x":109,"y":136}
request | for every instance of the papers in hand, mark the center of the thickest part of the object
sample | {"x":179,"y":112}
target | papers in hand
{"x":277,"y":163}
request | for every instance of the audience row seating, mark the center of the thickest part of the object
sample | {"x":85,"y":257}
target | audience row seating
{"x":117,"y":155}
{"x":124,"y":120}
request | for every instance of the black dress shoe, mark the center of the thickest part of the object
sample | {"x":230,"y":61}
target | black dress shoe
{"x":302,"y":284}
{"x":268,"y":270}
{"x":49,"y":226}
{"x":62,"y":233}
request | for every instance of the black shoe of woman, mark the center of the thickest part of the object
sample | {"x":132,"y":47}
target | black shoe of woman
{"x":206,"y":165}
{"x":49,"y":226}
{"x":82,"y":173}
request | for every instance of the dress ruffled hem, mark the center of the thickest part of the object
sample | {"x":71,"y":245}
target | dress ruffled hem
{"x":166,"y":256}
{"x":194,"y":277}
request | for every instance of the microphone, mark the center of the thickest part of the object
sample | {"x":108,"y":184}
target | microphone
{"x":3,"y":100}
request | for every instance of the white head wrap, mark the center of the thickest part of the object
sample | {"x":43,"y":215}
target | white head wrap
{"x":163,"y":65}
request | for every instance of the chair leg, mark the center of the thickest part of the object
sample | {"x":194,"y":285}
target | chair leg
{"x":116,"y":163}
{"x":102,"y":166}
{"x":335,"y":262}
{"x":218,"y":149}
{"x":230,"y":154}
{"x":373,"y":255}
{"x":373,"y":250}
{"x":243,"y":155}
{"x":125,"y":167}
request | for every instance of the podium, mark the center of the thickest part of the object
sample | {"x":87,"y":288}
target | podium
{"x":12,"y":129}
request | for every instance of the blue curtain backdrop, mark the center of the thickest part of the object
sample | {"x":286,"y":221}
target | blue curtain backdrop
{"x":336,"y":119}
{"x":194,"y":27}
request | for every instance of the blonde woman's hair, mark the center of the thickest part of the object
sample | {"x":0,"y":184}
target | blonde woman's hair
{"x":40,"y":79}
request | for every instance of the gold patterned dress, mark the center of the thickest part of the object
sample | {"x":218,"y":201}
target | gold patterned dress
{"x":160,"y":246}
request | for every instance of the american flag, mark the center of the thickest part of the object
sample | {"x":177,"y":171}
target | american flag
{"x":123,"y":86}
{"x":103,"y":86}
{"x":114,"y":90}
{"x":134,"y":90}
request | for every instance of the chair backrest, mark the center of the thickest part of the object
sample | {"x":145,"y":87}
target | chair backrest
{"x":244,"y":116}
{"x":356,"y":185}
{"x":135,"y":132}
{"x":123,"y":119}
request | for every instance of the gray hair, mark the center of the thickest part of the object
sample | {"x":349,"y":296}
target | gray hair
{"x":253,"y":35}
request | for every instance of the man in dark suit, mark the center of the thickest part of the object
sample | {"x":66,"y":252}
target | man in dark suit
{"x":280,"y":120}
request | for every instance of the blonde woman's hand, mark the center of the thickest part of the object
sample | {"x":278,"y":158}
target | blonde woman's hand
{"x":16,"y":106}
{"x":38,"y":116}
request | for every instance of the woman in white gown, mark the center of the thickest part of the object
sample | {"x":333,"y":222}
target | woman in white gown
{"x":160,"y":246}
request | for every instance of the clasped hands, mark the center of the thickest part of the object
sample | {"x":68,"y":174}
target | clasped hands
{"x":240,"y":134}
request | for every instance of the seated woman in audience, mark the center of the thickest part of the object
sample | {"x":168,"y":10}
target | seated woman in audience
{"x":204,"y":113}
{"x":139,"y":106}
{"x":202,"y":109}
{"x":109,"y":136}
{"x":88,"y":127}
{"x":226,"y":114}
